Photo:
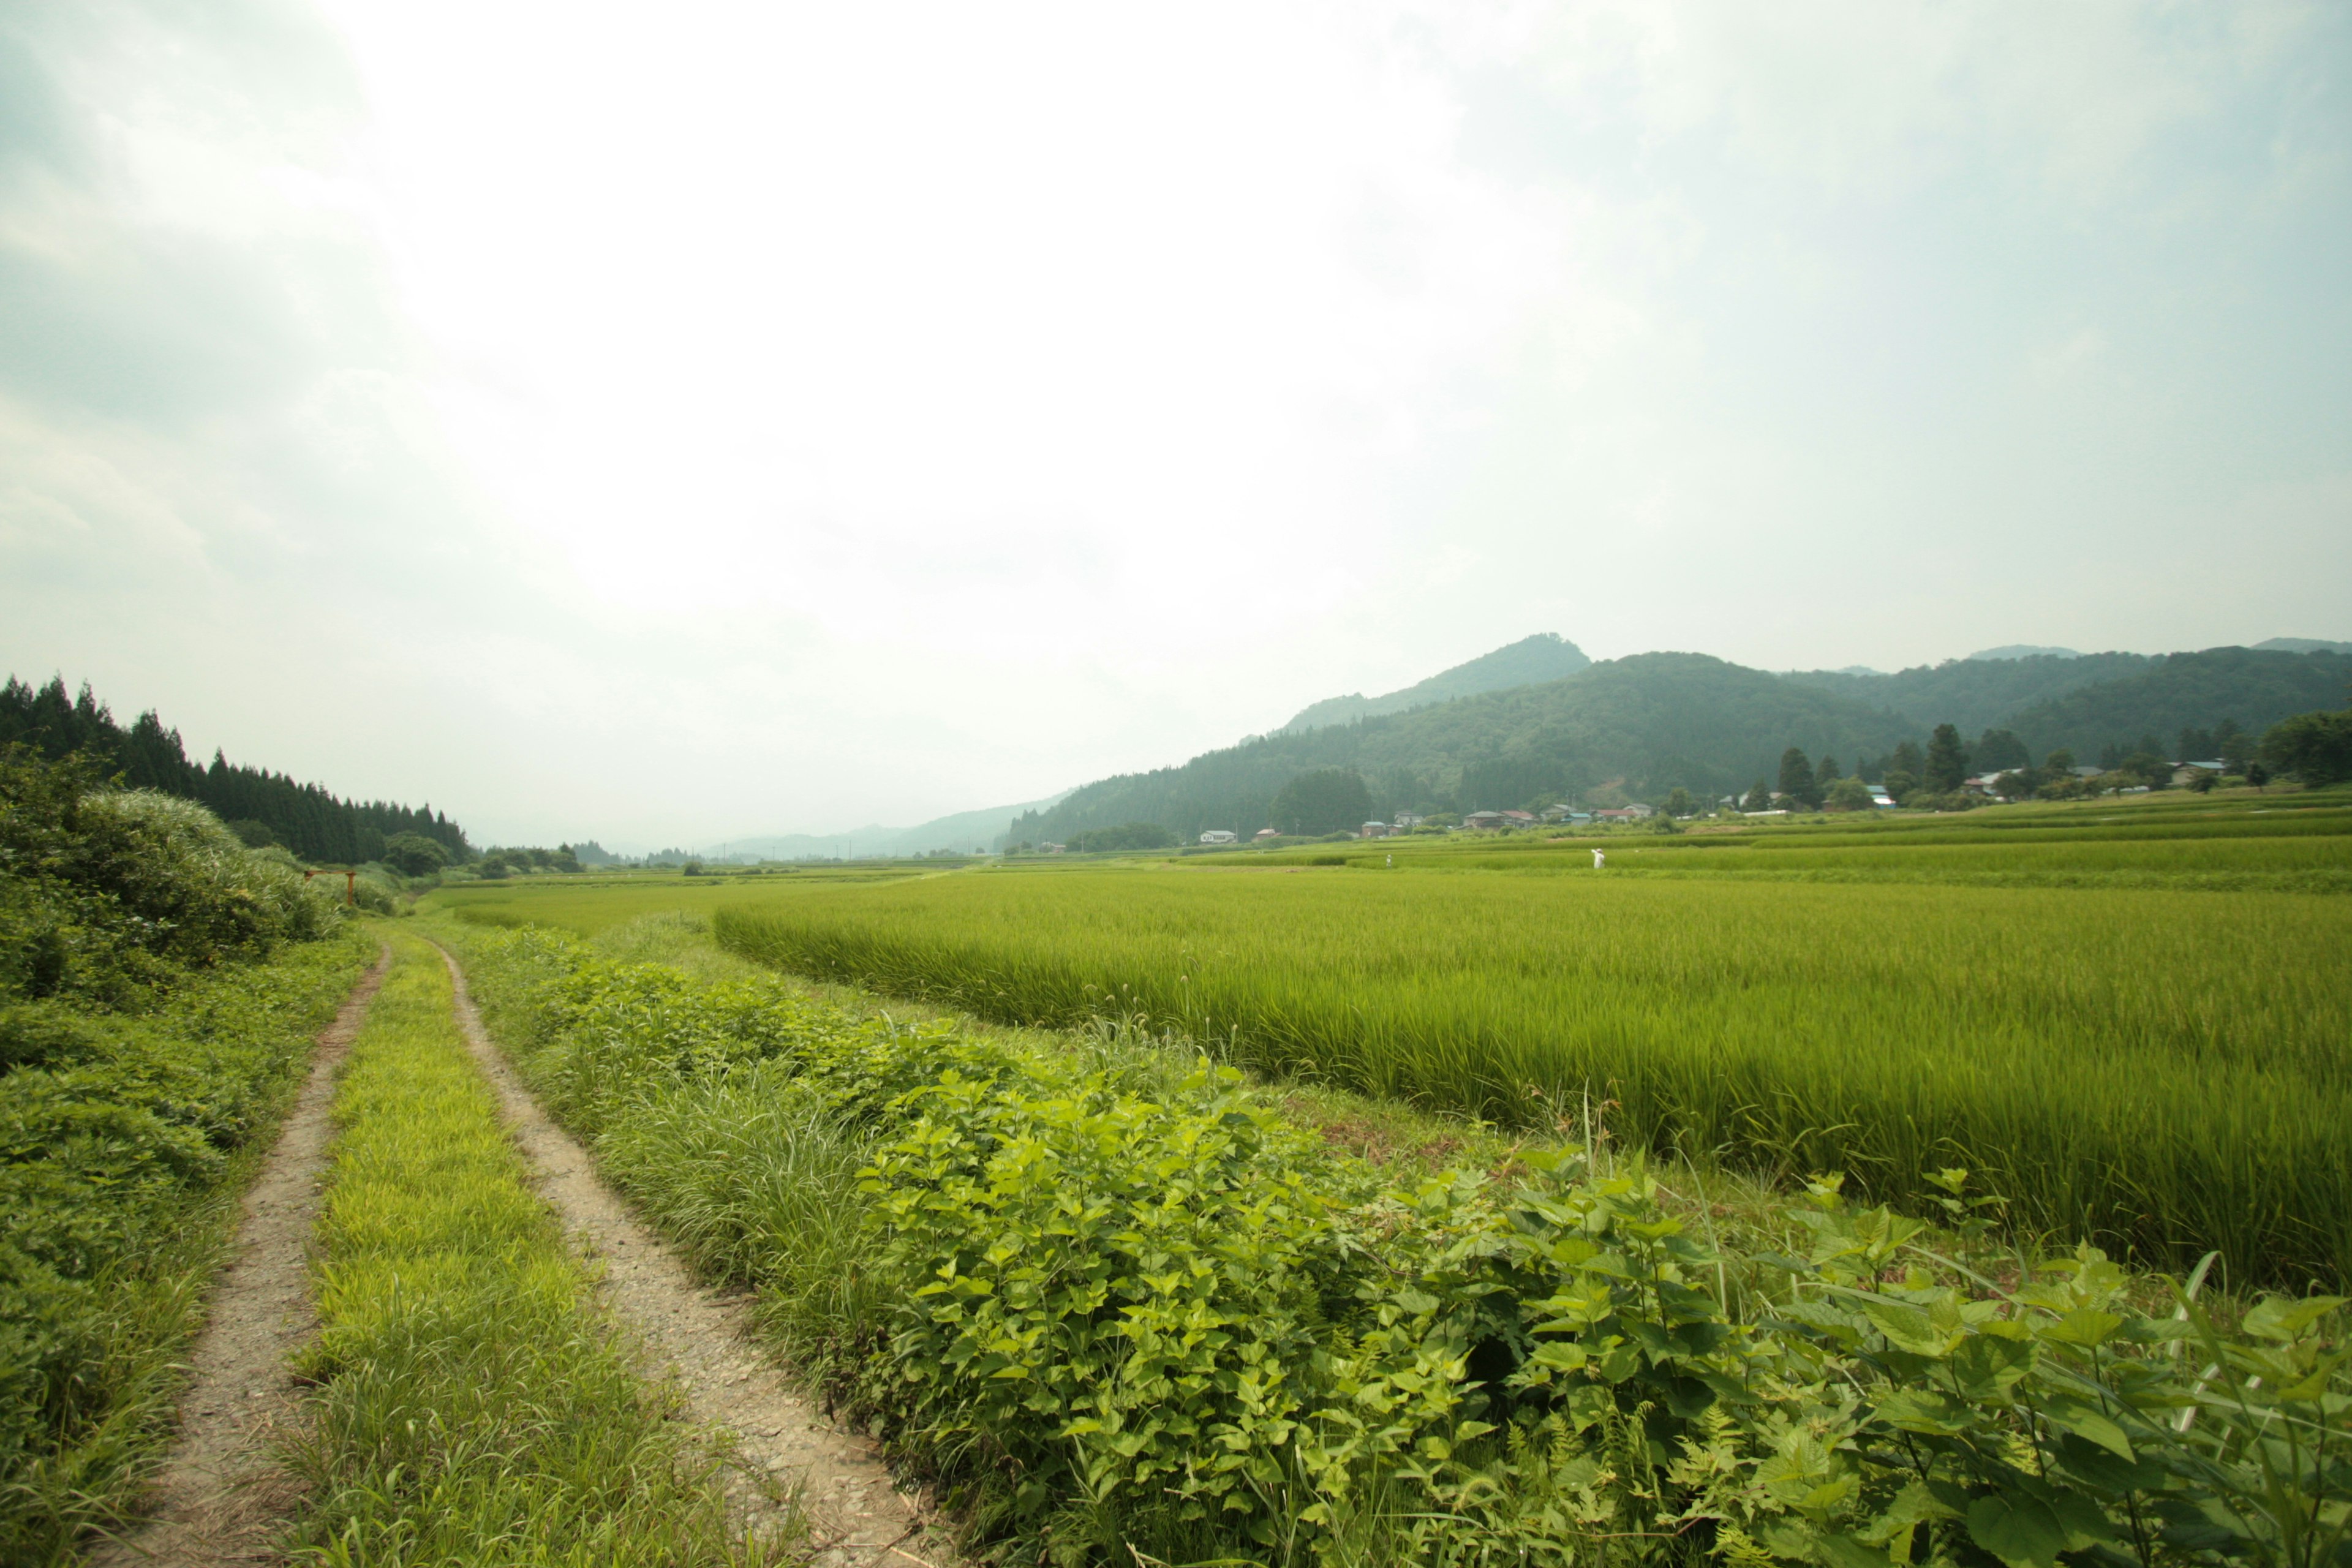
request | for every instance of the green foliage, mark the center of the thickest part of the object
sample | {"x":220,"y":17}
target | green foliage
{"x":2163,"y":1075}
{"x":1947,"y":761}
{"x":1127,"y":835}
{"x":2248,"y":687}
{"x":1999,"y":751}
{"x":1848,"y":794}
{"x":2314,"y":747}
{"x":472,"y":1402}
{"x":266,"y":808}
{"x":1758,"y":797}
{"x":414,"y":855}
{"x":1327,"y":800}
{"x":1130,"y":1315}
{"x":1797,"y":782}
{"x":123,"y":1137}
{"x":104,"y":893}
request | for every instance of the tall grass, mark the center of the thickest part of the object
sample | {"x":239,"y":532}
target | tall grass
{"x":2166,"y":1074}
{"x":474,"y":1404}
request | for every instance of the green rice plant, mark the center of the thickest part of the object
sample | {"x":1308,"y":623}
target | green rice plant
{"x":473,"y":1403}
{"x":2163,"y":1075}
{"x":1133,"y":1316}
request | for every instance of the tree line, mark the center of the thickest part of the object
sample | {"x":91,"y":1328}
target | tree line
{"x":260,"y":806}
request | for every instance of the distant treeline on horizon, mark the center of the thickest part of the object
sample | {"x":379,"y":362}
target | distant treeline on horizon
{"x":261,"y":806}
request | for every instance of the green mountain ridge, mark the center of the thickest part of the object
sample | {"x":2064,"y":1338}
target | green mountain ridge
{"x":1644,"y":725}
{"x":1547,"y":655}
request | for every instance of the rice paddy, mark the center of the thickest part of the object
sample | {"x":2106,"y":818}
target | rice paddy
{"x":2081,"y":1003}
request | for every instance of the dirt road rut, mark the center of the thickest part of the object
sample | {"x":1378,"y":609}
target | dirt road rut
{"x":861,"y":1520}
{"x":220,"y":1498}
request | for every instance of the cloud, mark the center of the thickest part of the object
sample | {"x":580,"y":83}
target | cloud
{"x":770,"y":417}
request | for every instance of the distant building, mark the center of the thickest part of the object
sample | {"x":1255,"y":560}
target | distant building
{"x":1220,"y":836}
{"x":1373,"y":830}
{"x":2189,"y":772}
{"x":1483,"y":819}
{"x":1406,"y":821}
{"x":1640,"y":811}
{"x":1519,"y":818}
{"x":1264,"y":834}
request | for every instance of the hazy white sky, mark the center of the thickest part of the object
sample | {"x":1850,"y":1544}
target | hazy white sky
{"x":668,"y":423}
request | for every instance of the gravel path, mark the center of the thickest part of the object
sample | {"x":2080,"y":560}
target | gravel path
{"x":860,"y":1519}
{"x":220,"y":1497}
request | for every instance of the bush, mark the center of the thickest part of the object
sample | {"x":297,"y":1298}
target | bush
{"x":1133,"y":1315}
{"x":98,"y":886}
{"x":414,"y":855}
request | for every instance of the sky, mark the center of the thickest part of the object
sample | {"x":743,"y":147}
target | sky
{"x":665,"y":425}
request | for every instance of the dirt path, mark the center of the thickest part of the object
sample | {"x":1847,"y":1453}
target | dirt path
{"x":220,"y":1498}
{"x":860,"y":1519}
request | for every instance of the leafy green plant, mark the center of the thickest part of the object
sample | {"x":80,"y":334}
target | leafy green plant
{"x":1130,"y":1315}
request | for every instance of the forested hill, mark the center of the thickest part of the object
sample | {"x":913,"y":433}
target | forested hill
{"x":305,"y":817}
{"x":1975,"y":693}
{"x":1547,"y":655}
{"x":2251,"y":687}
{"x":1645,"y":724}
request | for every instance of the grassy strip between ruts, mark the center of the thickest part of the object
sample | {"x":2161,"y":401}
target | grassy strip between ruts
{"x":125,"y":1138}
{"x":472,"y":1403}
{"x":1133,"y":1316}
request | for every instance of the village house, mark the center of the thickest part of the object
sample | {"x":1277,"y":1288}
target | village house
{"x":1406,"y":821}
{"x":2187,"y":773}
{"x":1220,"y":836}
{"x":1373,"y":830}
{"x":1487,"y":820}
{"x":1264,"y":834}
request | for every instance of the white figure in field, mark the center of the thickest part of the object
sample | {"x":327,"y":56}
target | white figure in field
{"x":1391,"y":862}
{"x":1598,"y":859}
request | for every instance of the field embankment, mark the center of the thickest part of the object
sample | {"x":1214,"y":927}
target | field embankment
{"x":473,"y":1403}
{"x":1130,"y":1314}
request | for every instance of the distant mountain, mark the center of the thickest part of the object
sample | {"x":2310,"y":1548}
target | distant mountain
{"x":2255,"y":688}
{"x":1547,"y":655}
{"x":2024,"y":650}
{"x":2302,"y":644}
{"x":1644,"y":724}
{"x":962,"y":833}
{"x":1974,"y":693}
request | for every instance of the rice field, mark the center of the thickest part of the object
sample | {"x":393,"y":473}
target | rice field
{"x":2165,"y":1073}
{"x":2086,"y":1006}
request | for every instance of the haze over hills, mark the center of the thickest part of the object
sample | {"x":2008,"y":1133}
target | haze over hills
{"x":962,"y":832}
{"x":1638,"y":727}
{"x":1547,"y":655}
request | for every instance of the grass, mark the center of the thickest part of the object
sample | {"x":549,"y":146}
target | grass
{"x":472,"y":1403}
{"x":123,"y":1151}
{"x":2163,"y":1075}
